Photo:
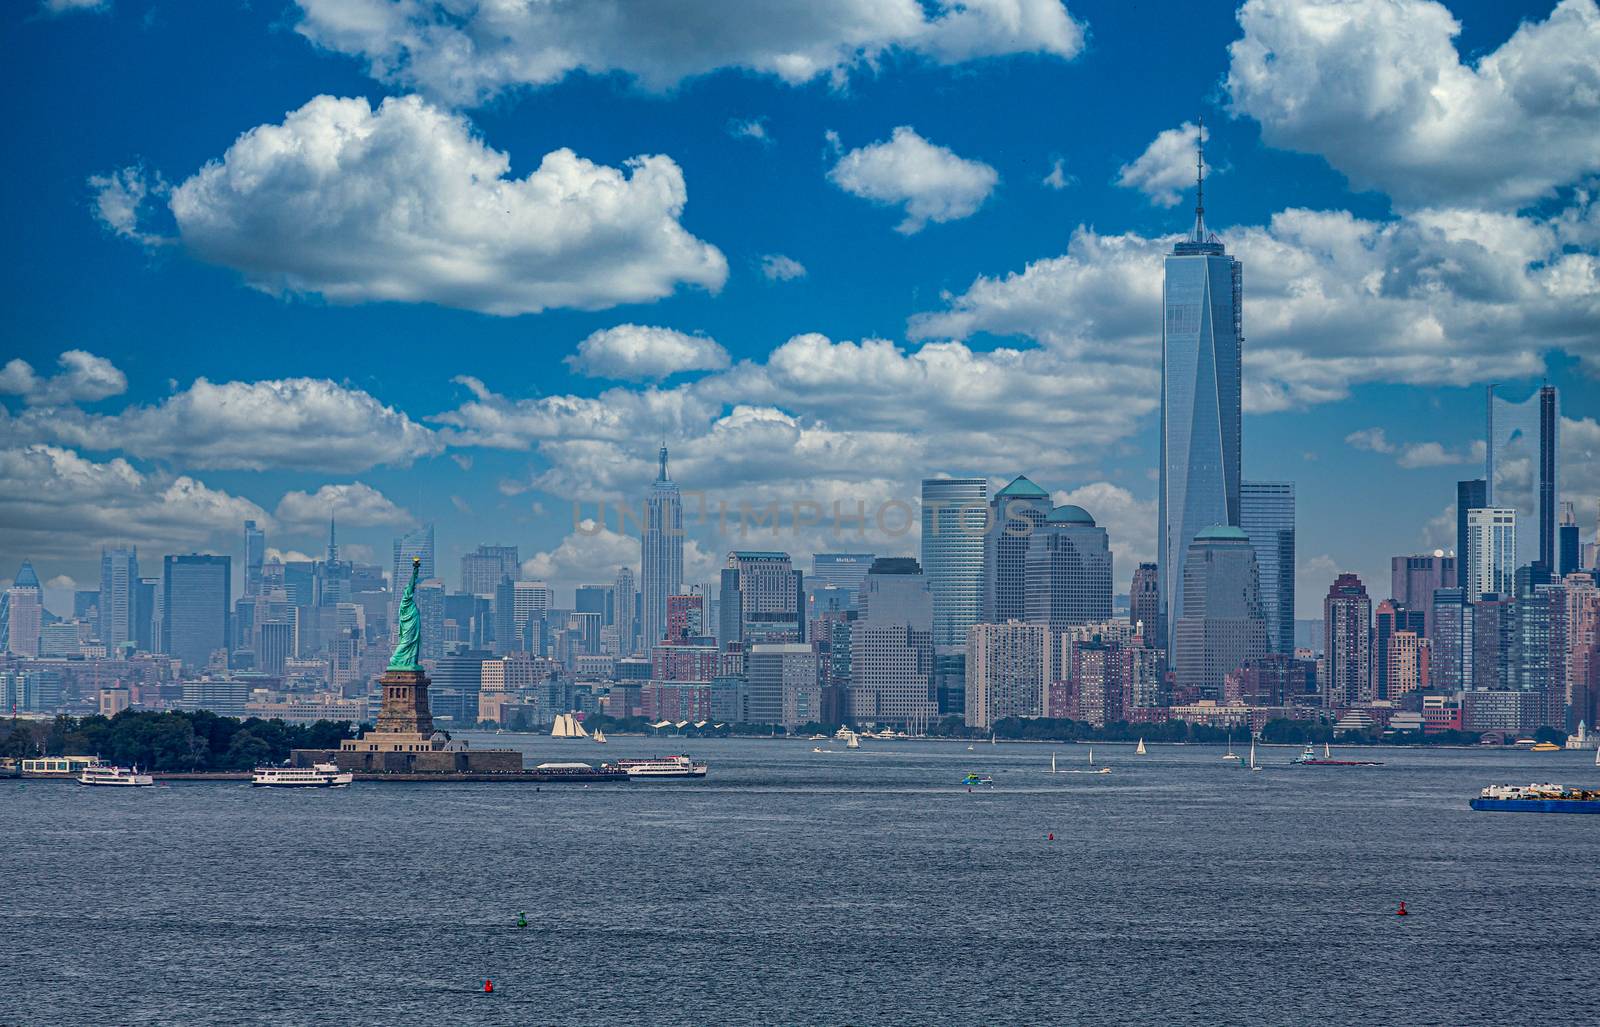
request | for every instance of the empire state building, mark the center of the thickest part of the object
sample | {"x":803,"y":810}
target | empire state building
{"x":1201,"y":343}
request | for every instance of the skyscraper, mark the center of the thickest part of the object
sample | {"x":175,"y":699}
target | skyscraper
{"x":661,"y":555}
{"x":119,"y":595}
{"x":1202,"y":342}
{"x":1222,"y":624}
{"x":1347,"y":642}
{"x":195,"y":591}
{"x":953,"y":514}
{"x":1144,"y":600}
{"x":783,"y":684}
{"x":1568,"y":557}
{"x":1392,"y":618}
{"x":1492,"y":543}
{"x":1068,"y":571}
{"x":1522,"y":469}
{"x":483,"y":568}
{"x":1450,"y":664}
{"x":255,"y":553}
{"x":23,"y":623}
{"x":627,"y":612}
{"x":1414,"y":579}
{"x":1470,"y":495}
{"x":416,"y":543}
{"x":1266,"y":513}
{"x":766,"y":603}
{"x":1008,"y":672}
{"x":844,"y":570}
{"x":891,"y":647}
{"x":1016,"y":512}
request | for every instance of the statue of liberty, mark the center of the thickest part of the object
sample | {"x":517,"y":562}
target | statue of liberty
{"x":405,"y":651}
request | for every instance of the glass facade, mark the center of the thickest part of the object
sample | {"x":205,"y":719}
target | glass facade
{"x":1201,"y":345}
{"x":1266,"y":513}
{"x":195,"y":592}
{"x":1521,"y":469}
{"x":954,"y":512}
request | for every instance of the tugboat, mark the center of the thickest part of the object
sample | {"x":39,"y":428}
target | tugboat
{"x":1546,"y":798}
{"x":318,"y":775}
{"x":115,"y":777}
{"x":1308,"y":758}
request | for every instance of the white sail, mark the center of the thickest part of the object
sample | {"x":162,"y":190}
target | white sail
{"x":1252,"y":754}
{"x":1052,"y":763}
{"x":1091,"y":755}
{"x":1327,"y":753}
{"x":599,"y":736}
{"x":1140,"y":751}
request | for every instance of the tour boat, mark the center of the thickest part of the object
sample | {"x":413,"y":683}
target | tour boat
{"x":115,"y":777}
{"x":659,"y":766}
{"x":1140,"y":751}
{"x":318,"y":775}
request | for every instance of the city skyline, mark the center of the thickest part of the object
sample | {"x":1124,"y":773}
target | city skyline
{"x":1051,"y":293}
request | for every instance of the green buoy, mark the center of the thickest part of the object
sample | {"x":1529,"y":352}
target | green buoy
{"x":522,"y":919}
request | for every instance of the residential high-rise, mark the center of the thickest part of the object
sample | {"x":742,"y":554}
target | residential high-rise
{"x":1144,"y":599}
{"x":627,"y":612}
{"x":844,"y":570}
{"x":1016,"y":512}
{"x":891,"y":647}
{"x":482,"y":569}
{"x":1266,"y":514}
{"x":1390,"y":619}
{"x":661,"y":555}
{"x":1492,"y":543}
{"x":1450,"y":658}
{"x":1008,"y":672}
{"x":1347,"y":642}
{"x":195,"y":591}
{"x":1222,"y":624}
{"x":1406,"y":664}
{"x":119,"y":596}
{"x":1568,"y":555}
{"x":255,"y":553}
{"x":1202,"y":343}
{"x":416,"y":543}
{"x":1068,"y":571}
{"x":954,"y":512}
{"x":1521,"y":466}
{"x":1470,"y":495}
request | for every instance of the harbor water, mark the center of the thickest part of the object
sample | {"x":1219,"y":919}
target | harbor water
{"x":844,"y":887}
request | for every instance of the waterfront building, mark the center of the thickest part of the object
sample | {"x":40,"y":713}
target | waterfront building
{"x":1068,"y":571}
{"x":763,"y":599}
{"x":1222,"y":624}
{"x":783,"y":686}
{"x":1202,"y":342}
{"x":1144,"y":600}
{"x":891,"y":647}
{"x":1015,"y":513}
{"x":483,"y":568}
{"x":255,"y":554}
{"x":1007,"y":672}
{"x":1347,"y":643}
{"x":195,"y":590}
{"x":416,"y":544}
{"x":1522,"y":469}
{"x":1405,"y":664}
{"x":1266,"y":515}
{"x":1095,"y":683}
{"x":841,"y":570}
{"x":661,"y":554}
{"x":1583,"y":650}
{"x":954,"y":516}
{"x":1492,"y":543}
{"x":1275,"y":679}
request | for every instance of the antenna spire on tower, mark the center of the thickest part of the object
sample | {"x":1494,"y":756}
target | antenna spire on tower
{"x":1200,"y":181}
{"x":663,"y":475}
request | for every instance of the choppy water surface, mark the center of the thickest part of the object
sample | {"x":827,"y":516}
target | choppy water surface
{"x":858,"y":887}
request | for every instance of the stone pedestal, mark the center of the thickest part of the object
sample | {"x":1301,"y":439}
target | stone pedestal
{"x":405,"y":704}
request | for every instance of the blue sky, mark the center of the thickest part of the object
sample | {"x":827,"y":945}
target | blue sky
{"x":270,"y":258}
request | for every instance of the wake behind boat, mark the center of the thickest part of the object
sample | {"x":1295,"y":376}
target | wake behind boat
{"x":318,"y":775}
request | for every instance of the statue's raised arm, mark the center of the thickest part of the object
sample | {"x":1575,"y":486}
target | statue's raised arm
{"x":410,"y":633}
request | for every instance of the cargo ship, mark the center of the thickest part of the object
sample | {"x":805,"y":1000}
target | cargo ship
{"x":1308,"y":758}
{"x":1546,"y":798}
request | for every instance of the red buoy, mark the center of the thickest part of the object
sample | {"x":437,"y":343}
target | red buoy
{"x":488,"y":987}
{"x":1401,"y":911}
{"x":1050,"y":837}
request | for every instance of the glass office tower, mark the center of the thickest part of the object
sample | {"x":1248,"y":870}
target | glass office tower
{"x":1201,"y":344}
{"x":1266,"y":513}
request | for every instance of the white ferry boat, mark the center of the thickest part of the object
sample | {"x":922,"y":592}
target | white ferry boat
{"x":662,"y":766}
{"x":115,"y":777}
{"x":318,"y":775}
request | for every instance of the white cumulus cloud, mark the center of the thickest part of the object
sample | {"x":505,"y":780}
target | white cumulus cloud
{"x":1167,"y":166}
{"x":406,"y":203}
{"x":1379,"y":89}
{"x":632,"y":352}
{"x":778,"y":268}
{"x":930,"y":181}
{"x":83,"y":378}
{"x":468,"y":52}
{"x":356,"y":505}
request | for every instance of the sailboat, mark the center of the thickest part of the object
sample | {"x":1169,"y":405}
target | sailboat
{"x":1231,"y":756}
{"x":1327,"y":753}
{"x":1052,"y":762}
{"x":853,"y":742}
{"x":1140,"y":751}
{"x":1091,"y":755}
{"x":1597,"y":757}
{"x":1253,"y":765}
{"x":991,"y":738}
{"x":599,"y":736}
{"x":567,"y":726}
